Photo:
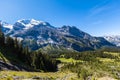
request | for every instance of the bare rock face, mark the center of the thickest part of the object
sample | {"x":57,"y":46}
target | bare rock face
{"x":9,"y":66}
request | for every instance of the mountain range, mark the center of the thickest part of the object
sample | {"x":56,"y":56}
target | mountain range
{"x":114,"y":39}
{"x":42,"y":35}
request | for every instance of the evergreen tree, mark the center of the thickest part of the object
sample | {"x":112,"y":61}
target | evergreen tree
{"x":16,"y":44}
{"x":0,"y":27}
{"x":9,"y":42}
{"x":2,"y":38}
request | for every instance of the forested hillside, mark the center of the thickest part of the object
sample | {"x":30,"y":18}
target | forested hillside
{"x":12,"y":52}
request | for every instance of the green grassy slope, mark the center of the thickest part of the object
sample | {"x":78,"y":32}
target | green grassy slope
{"x":104,"y":66}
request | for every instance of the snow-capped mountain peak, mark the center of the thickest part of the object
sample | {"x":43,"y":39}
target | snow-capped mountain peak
{"x":39,"y":34}
{"x":115,"y":39}
{"x":29,"y":23}
{"x":35,"y":22}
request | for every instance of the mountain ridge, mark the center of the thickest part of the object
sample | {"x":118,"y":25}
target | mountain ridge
{"x":39,"y":34}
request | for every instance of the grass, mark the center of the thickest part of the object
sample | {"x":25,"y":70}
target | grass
{"x":28,"y":75}
{"x":3,"y":58}
{"x":106,"y":78}
{"x":113,"y":53}
{"x":102,"y":69}
{"x":70,"y":60}
{"x":106,"y":70}
{"x":106,"y":59}
{"x":8,"y":75}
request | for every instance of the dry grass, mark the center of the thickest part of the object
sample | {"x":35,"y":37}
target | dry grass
{"x":8,"y":75}
{"x":106,"y":78}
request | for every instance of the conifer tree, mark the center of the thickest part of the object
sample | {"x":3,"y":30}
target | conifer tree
{"x":2,"y":38}
{"x":9,"y":42}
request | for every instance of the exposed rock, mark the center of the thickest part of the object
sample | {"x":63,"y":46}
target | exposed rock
{"x":9,"y":66}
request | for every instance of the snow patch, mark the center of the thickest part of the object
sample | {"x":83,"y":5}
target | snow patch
{"x":30,"y":23}
{"x":8,"y":26}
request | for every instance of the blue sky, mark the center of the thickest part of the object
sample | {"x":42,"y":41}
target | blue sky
{"x":96,"y":17}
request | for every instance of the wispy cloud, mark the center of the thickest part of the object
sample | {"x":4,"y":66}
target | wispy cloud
{"x":99,"y":8}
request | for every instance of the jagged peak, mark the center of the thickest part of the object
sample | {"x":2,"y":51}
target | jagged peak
{"x":29,"y":23}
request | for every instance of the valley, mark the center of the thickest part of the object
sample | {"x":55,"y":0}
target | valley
{"x":59,"y":39}
{"x":98,"y":66}
{"x":36,"y":50}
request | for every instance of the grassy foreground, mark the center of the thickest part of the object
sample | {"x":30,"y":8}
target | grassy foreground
{"x":95,"y":67}
{"x":20,"y":75}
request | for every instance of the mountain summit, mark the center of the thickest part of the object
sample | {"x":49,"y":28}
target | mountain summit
{"x":42,"y":35}
{"x":31,"y":23}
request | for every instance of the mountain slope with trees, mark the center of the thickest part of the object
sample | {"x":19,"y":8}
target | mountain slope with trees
{"x":12,"y":53}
